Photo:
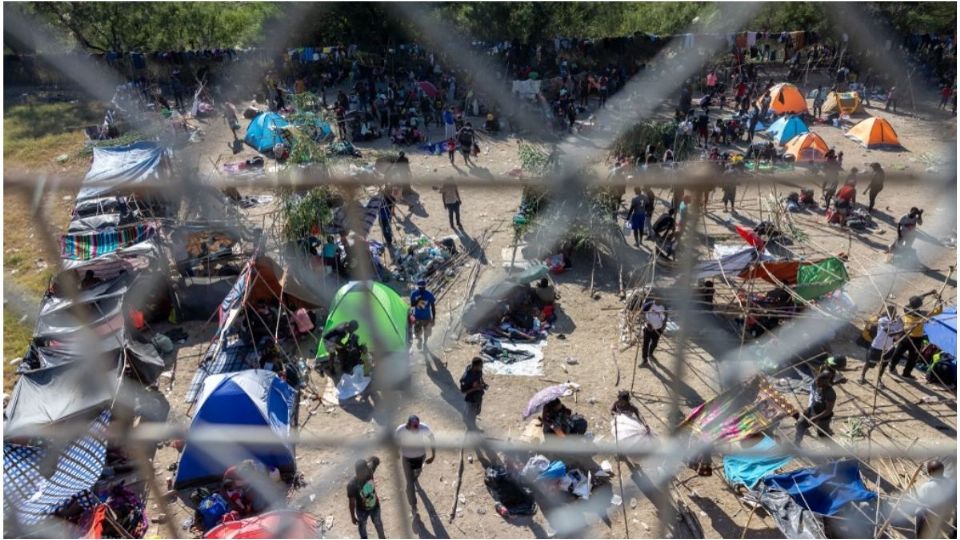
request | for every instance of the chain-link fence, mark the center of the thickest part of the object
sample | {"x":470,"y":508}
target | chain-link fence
{"x":46,"y":463}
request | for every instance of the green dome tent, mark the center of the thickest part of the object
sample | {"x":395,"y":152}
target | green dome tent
{"x":377,"y":308}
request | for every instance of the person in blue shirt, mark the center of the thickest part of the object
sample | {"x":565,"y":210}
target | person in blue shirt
{"x":424,"y":306}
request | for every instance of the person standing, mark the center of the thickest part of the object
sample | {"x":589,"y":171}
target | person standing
{"x":414,"y":457}
{"x":466,"y":137}
{"x":913,"y":342}
{"x":362,"y":497}
{"x":818,"y":102}
{"x":385,"y":215}
{"x":473,"y":387}
{"x":876,"y":184}
{"x":889,"y":330}
{"x":448,"y":124}
{"x":424,"y":306}
{"x":637,"y":214}
{"x":907,"y":228}
{"x":655,"y":321}
{"x":891,"y":100}
{"x":819,"y":410}
{"x":451,"y":201}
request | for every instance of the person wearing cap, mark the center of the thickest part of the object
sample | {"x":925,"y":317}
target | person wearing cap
{"x":889,"y":330}
{"x":362,"y":497}
{"x":912,"y":343}
{"x":424,"y":306}
{"x":819,"y":410}
{"x":419,"y":436}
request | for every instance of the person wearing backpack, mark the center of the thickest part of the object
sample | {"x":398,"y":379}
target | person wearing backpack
{"x":362,"y":497}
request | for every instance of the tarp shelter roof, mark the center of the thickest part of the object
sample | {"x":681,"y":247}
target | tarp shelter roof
{"x":807,"y":147}
{"x":477,"y":308}
{"x":378,"y":310}
{"x":748,"y":469}
{"x":941,"y":330}
{"x":843,"y":103}
{"x":264,"y":131}
{"x":785,"y":98}
{"x":874,"y":132}
{"x":825,"y":489}
{"x":818,"y":279}
{"x":729,"y":265}
{"x":249,"y":398}
{"x":48,"y":396}
{"x":32,"y":494}
{"x":786,"y":128}
{"x":121,"y":166}
{"x":276,"y":524}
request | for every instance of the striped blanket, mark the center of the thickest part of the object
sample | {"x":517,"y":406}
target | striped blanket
{"x":83,"y":247}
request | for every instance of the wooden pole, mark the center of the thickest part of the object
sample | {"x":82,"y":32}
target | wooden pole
{"x":623,"y":503}
{"x":456,"y":492}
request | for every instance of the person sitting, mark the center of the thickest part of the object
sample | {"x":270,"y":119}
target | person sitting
{"x":506,"y":328}
{"x":492,"y":124}
{"x":545,"y":294}
{"x":665,"y":225}
{"x":336,"y":340}
{"x":935,"y":503}
{"x":89,"y":280}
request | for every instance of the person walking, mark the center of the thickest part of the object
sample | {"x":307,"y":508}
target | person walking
{"x":418,"y":436}
{"x":876,"y":184}
{"x":451,"y":201}
{"x":467,"y":138}
{"x":424,"y":306}
{"x":362,"y":497}
{"x":891,"y":100}
{"x":819,"y":410}
{"x":915,"y":336}
{"x":637,"y":214}
{"x":655,"y":321}
{"x":889,"y":331}
{"x":473,"y":387}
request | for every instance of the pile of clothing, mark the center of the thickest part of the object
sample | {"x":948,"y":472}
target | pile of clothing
{"x":557,"y":476}
{"x":421,"y":258}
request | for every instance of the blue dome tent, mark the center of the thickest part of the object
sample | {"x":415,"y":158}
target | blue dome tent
{"x":250,"y":398}
{"x":786,"y":128}
{"x":264,"y":133}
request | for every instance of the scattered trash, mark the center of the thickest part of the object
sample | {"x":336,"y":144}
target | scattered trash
{"x":572,"y":361}
{"x":616,"y":500}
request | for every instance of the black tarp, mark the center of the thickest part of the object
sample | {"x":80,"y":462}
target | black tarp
{"x":793,"y":520}
{"x":69,"y":391}
{"x":509,"y":492}
{"x":199,"y":298}
{"x":481,"y":309}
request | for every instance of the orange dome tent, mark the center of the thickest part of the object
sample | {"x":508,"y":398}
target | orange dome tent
{"x":874,"y":132}
{"x":807,"y":147}
{"x":785,"y":98}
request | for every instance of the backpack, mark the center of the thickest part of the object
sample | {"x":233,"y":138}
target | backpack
{"x":212,"y":508}
{"x":368,"y":494}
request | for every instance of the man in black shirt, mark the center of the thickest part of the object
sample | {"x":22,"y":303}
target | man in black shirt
{"x":665,"y":224}
{"x":637,"y":214}
{"x":465,"y":136}
{"x":820,"y":408}
{"x":362,"y":497}
{"x":473,"y":387}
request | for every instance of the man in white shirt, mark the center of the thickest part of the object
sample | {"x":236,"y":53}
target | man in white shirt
{"x":655,"y":320}
{"x":418,"y":436}
{"x":889,"y":332}
{"x":936,"y":501}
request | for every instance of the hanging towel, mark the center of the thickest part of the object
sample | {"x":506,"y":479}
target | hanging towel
{"x":751,"y":39}
{"x":83,"y":247}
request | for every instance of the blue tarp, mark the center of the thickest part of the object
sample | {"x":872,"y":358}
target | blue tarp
{"x":35,"y":493}
{"x":786,"y":128}
{"x":264,"y":133}
{"x":120,"y":166}
{"x":250,"y":398}
{"x":941,"y":330}
{"x":748,"y":470}
{"x":825,"y":489}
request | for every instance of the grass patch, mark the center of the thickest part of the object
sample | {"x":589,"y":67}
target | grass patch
{"x":34,"y":134}
{"x":16,"y":338}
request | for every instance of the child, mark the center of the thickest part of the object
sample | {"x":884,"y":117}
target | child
{"x":330,"y":254}
{"x":451,"y":149}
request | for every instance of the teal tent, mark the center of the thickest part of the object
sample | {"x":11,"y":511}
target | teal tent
{"x":786,"y":128}
{"x":264,"y":131}
{"x":379,"y":311}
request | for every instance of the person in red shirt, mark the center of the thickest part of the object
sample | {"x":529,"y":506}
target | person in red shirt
{"x":945,"y":95}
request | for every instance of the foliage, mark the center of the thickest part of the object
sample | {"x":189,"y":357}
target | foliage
{"x":663,"y":135}
{"x":35,"y":134}
{"x":535,"y":160}
{"x":300,"y":213}
{"x":148,"y":26}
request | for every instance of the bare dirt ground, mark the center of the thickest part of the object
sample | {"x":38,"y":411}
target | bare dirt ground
{"x":905,"y":411}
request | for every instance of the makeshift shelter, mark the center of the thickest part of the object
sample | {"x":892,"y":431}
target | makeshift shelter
{"x":276,"y":524}
{"x":380,"y":312}
{"x":810,"y":280}
{"x":121,"y":167}
{"x":480,"y":307}
{"x":265,"y":131}
{"x":32,"y":494}
{"x":843,"y":103}
{"x":785,"y":98}
{"x":786,"y":128}
{"x":941,"y":330}
{"x":250,"y":398}
{"x":727,"y":265}
{"x":874,"y":132}
{"x":826,"y":489}
{"x":807,"y":147}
